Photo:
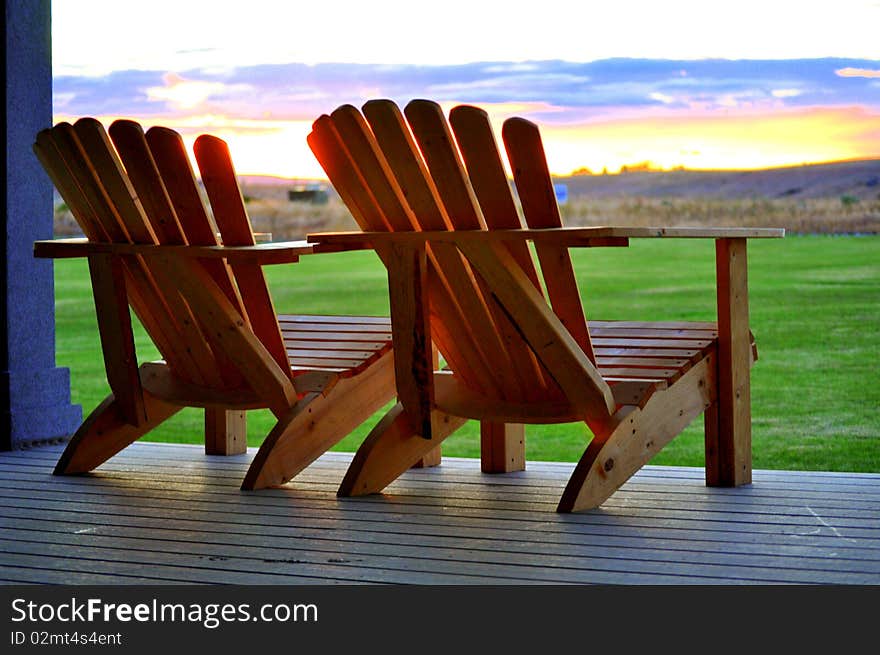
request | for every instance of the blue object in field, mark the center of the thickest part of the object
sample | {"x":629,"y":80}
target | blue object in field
{"x":561,"y":191}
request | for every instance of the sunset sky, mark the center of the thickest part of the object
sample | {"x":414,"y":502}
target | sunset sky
{"x":701,"y":84}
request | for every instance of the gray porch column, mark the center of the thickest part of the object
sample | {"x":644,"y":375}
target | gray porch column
{"x":34,"y":394}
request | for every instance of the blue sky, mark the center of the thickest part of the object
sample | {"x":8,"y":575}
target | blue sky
{"x":588,"y":90}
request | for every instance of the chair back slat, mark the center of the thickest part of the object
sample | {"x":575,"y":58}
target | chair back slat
{"x":100,"y":213}
{"x":127,"y":187}
{"x":400,"y":150}
{"x":509,"y":355}
{"x":177,"y":174}
{"x":363,"y":149}
{"x":466,"y":312}
{"x":110,"y":177}
{"x":348,"y":179}
{"x":449,"y":273}
{"x":478,"y":147}
{"x":392,"y":171}
{"x":455,"y":296}
{"x":435,"y":140}
{"x":525,"y":151}
{"x":118,"y":186}
{"x":76,"y":175}
{"x":158,"y":212}
{"x":345,"y":176}
{"x":62,"y":177}
{"x":221,"y":184}
{"x":131,"y":143}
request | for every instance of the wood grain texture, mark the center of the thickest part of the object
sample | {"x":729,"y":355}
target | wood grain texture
{"x":104,"y":433}
{"x":221,"y":185}
{"x":476,"y":142}
{"x":454,"y":335}
{"x":537,"y":195}
{"x":225,"y":431}
{"x":103,"y":171}
{"x":516,"y":369}
{"x":391,"y":448}
{"x":475,"y":139}
{"x":639,"y":434}
{"x":502,"y":447}
{"x":165,"y":513}
{"x":573,"y":236}
{"x":411,"y":330}
{"x":249,"y":353}
{"x":117,"y":340}
{"x":161,"y":220}
{"x":386,"y":153}
{"x":172,"y":162}
{"x":554,"y":346}
{"x":68,"y":166}
{"x":437,"y":145}
{"x":264,"y":253}
{"x":318,"y":421}
{"x":732,"y":464}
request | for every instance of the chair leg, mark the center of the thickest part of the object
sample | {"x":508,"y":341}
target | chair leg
{"x":435,"y":456}
{"x":317,"y":422}
{"x":711,"y":432}
{"x":732,"y":438}
{"x":104,"y":433}
{"x":502,"y":447}
{"x":390,"y":449}
{"x":429,"y":459}
{"x":225,"y":431}
{"x":638,"y":435}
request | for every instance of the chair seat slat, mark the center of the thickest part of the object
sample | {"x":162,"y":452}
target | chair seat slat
{"x":647,"y":332}
{"x":356,"y":320}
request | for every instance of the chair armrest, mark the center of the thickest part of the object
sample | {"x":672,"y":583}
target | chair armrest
{"x":563,"y":236}
{"x":264,"y":253}
{"x":584,"y":237}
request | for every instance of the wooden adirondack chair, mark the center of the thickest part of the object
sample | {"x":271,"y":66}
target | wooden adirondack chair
{"x":151,"y":245}
{"x":461,"y":277}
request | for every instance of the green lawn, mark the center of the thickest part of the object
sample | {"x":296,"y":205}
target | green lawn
{"x":815,"y":311}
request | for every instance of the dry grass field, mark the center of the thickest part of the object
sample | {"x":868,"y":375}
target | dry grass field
{"x":808,"y":216}
{"x":838,"y":198}
{"x":293,"y":220}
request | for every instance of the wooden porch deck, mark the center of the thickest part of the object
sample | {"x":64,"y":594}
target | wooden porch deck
{"x":160,"y":513}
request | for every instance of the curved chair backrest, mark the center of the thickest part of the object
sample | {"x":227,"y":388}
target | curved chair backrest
{"x":415,"y":170}
{"x":136,"y":187}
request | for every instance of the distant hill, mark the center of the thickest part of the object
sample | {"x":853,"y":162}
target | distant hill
{"x":273,"y":180}
{"x":858,"y":179}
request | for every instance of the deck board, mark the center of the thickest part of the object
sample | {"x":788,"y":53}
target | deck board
{"x":166,"y":513}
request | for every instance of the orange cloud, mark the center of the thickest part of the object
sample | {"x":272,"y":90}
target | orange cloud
{"x":857,"y":72}
{"x":732,"y":141}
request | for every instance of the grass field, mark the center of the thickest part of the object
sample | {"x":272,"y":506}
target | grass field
{"x":815,"y":311}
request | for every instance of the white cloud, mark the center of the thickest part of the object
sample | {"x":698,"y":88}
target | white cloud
{"x":662,"y":97}
{"x":189,"y":94}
